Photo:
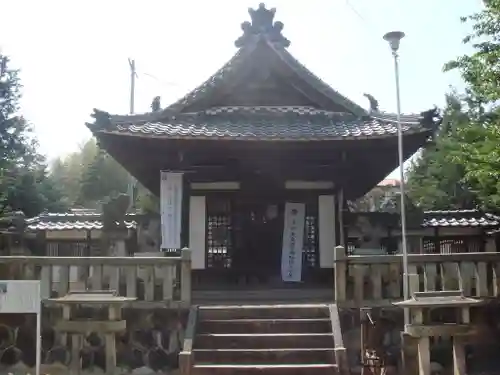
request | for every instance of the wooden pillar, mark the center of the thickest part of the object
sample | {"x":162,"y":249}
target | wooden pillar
{"x":340,"y":270}
{"x":341,"y":219}
{"x":437,"y":243}
{"x":490,"y":245}
{"x":326,"y":228}
{"x":186,"y":197}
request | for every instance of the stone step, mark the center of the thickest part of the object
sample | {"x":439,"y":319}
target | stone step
{"x":307,"y":325}
{"x":263,"y":341}
{"x":265,"y":356}
{"x":262,"y":296}
{"x":263,"y":312}
{"x":288,"y":369}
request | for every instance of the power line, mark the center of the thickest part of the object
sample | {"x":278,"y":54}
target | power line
{"x":355,"y":11}
{"x":366,"y":23}
{"x":159,"y":80}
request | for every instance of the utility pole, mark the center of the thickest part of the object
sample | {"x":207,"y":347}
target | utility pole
{"x":132,"y":182}
{"x":133,"y":75}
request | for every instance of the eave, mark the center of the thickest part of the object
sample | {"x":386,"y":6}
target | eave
{"x":267,"y":123}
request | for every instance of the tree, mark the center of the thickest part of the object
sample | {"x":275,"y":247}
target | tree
{"x":102,"y":177}
{"x":435,"y":179}
{"x":89,"y":175}
{"x":479,"y":154}
{"x":24,"y":182}
{"x":480,"y":158}
{"x":481,"y":69}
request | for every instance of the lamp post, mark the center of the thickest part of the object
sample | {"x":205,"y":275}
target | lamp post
{"x":394,"y":39}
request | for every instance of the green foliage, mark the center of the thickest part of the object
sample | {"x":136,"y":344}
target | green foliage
{"x":114,"y":209}
{"x":480,"y":157}
{"x":436,"y":180}
{"x":24,"y":183}
{"x":102,"y":177}
{"x":89,"y":175}
{"x":478,"y":153}
{"x":481,"y":69}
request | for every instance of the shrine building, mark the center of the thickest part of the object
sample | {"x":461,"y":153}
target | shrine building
{"x":255,"y":166}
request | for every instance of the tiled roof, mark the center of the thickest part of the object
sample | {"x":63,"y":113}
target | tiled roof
{"x":72,"y":221}
{"x":230,"y":70}
{"x":269,"y":123}
{"x":261,"y":123}
{"x":460,"y":218}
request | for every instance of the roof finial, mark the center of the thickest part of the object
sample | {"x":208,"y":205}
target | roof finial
{"x":155,"y":104}
{"x":262,"y":26}
{"x":373,"y":102}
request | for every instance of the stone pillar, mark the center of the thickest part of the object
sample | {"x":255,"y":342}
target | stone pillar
{"x":424,"y":353}
{"x":424,"y":357}
{"x":459,"y":345}
{"x":409,"y":354}
{"x":76,"y":346}
{"x":458,"y":356}
{"x":114,"y":314}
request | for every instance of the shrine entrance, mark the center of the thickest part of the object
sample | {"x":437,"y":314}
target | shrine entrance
{"x":258,"y":239}
{"x":245,"y":239}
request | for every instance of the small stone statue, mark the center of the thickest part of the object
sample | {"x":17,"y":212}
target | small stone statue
{"x":155,"y":105}
{"x":102,"y":119}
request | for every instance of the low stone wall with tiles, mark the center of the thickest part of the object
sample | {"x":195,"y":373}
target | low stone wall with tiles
{"x":150,"y":345}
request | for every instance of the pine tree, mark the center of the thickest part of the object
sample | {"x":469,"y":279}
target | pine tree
{"x":24,"y":182}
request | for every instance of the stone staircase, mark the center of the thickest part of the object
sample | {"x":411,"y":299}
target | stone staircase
{"x":273,"y":339}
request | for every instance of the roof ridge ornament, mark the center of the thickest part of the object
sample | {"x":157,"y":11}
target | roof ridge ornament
{"x":262,"y":26}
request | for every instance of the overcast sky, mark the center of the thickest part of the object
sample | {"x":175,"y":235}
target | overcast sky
{"x":73,"y":54}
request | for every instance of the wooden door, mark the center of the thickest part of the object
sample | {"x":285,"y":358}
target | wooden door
{"x":260,"y":228}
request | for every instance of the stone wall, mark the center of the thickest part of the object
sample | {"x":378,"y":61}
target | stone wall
{"x":151,"y":344}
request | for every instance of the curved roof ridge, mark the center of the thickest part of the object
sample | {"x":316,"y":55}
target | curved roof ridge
{"x":392,"y":117}
{"x":305,"y":109}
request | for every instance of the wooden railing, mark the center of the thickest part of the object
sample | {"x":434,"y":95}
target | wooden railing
{"x":370,"y":281}
{"x":154,"y":281}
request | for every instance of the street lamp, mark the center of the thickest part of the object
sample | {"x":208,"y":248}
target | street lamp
{"x":394,"y":39}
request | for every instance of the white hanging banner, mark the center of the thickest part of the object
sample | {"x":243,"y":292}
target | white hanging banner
{"x":171,"y":209}
{"x":293,"y":242}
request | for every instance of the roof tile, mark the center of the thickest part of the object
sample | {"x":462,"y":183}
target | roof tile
{"x":460,"y":218}
{"x":72,"y":221}
{"x":272,"y":123}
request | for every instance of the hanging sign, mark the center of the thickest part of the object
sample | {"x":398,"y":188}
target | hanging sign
{"x":171,"y":209}
{"x":293,"y":242}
